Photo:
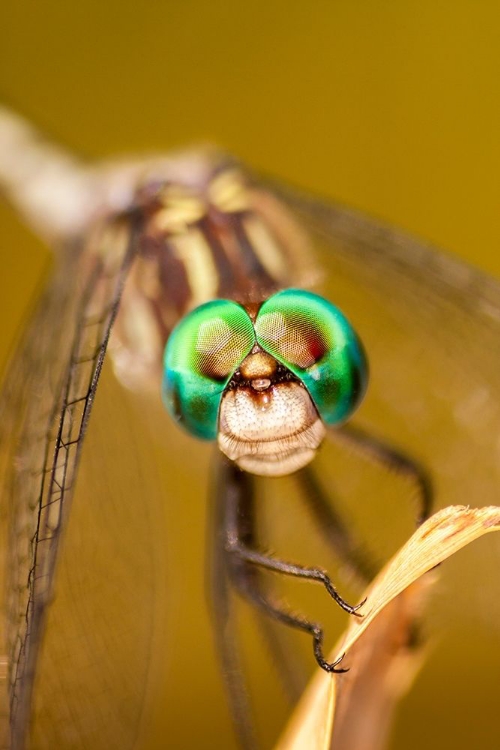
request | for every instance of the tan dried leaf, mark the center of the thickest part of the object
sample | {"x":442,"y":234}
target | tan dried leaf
{"x":353,"y":711}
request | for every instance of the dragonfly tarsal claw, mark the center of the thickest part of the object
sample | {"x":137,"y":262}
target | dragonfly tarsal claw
{"x":358,"y":607}
{"x":349,"y":608}
{"x":327,"y":666}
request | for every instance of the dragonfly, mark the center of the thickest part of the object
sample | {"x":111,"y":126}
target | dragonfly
{"x":186,"y":281}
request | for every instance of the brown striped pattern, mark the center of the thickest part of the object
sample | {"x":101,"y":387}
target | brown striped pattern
{"x":221,"y":238}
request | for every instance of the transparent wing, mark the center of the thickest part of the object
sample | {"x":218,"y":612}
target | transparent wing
{"x":431,"y":327}
{"x":44,"y":410}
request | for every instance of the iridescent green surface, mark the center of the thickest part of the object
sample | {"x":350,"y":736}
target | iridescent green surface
{"x":311,"y":337}
{"x":203,"y":352}
{"x":301,"y":330}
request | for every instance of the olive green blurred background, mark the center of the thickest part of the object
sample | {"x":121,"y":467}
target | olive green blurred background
{"x":393,"y":108}
{"x":390,"y":107}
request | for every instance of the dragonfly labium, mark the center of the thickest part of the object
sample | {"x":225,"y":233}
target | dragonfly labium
{"x":242,"y":305}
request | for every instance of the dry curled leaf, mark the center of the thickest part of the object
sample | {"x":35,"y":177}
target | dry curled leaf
{"x":353,"y":711}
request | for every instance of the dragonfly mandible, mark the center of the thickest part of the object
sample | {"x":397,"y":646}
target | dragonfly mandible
{"x":147,"y":242}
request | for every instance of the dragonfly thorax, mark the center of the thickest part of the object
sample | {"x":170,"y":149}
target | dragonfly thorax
{"x":202,"y":233}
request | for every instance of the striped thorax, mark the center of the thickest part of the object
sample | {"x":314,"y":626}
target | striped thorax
{"x":250,"y":362}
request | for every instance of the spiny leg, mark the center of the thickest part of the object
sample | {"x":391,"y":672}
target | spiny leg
{"x":236,"y":496}
{"x":239,"y":550}
{"x":243,"y":581}
{"x":224,"y":619}
{"x":224,"y":627}
{"x":292,"y":677}
{"x":241,"y":557}
{"x":229,"y":488}
{"x":236,"y":543}
{"x":393,"y":460}
{"x":333,"y":528}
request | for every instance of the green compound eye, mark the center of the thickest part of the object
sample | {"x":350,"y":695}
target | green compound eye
{"x":201,"y":355}
{"x":317,"y":343}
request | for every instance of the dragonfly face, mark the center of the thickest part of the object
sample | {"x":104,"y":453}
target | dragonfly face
{"x":264,"y":378}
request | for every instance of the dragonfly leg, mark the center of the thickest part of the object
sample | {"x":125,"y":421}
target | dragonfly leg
{"x":224,"y":627}
{"x":380,"y":452}
{"x":250,"y":577}
{"x":333,"y":527}
{"x":243,"y":553}
{"x":224,"y":619}
{"x":244,"y":584}
{"x":238,"y":534}
{"x":231,"y":487}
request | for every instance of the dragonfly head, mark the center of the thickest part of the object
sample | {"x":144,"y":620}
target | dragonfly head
{"x":264,"y":380}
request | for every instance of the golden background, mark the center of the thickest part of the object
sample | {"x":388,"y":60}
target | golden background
{"x":392,"y":108}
